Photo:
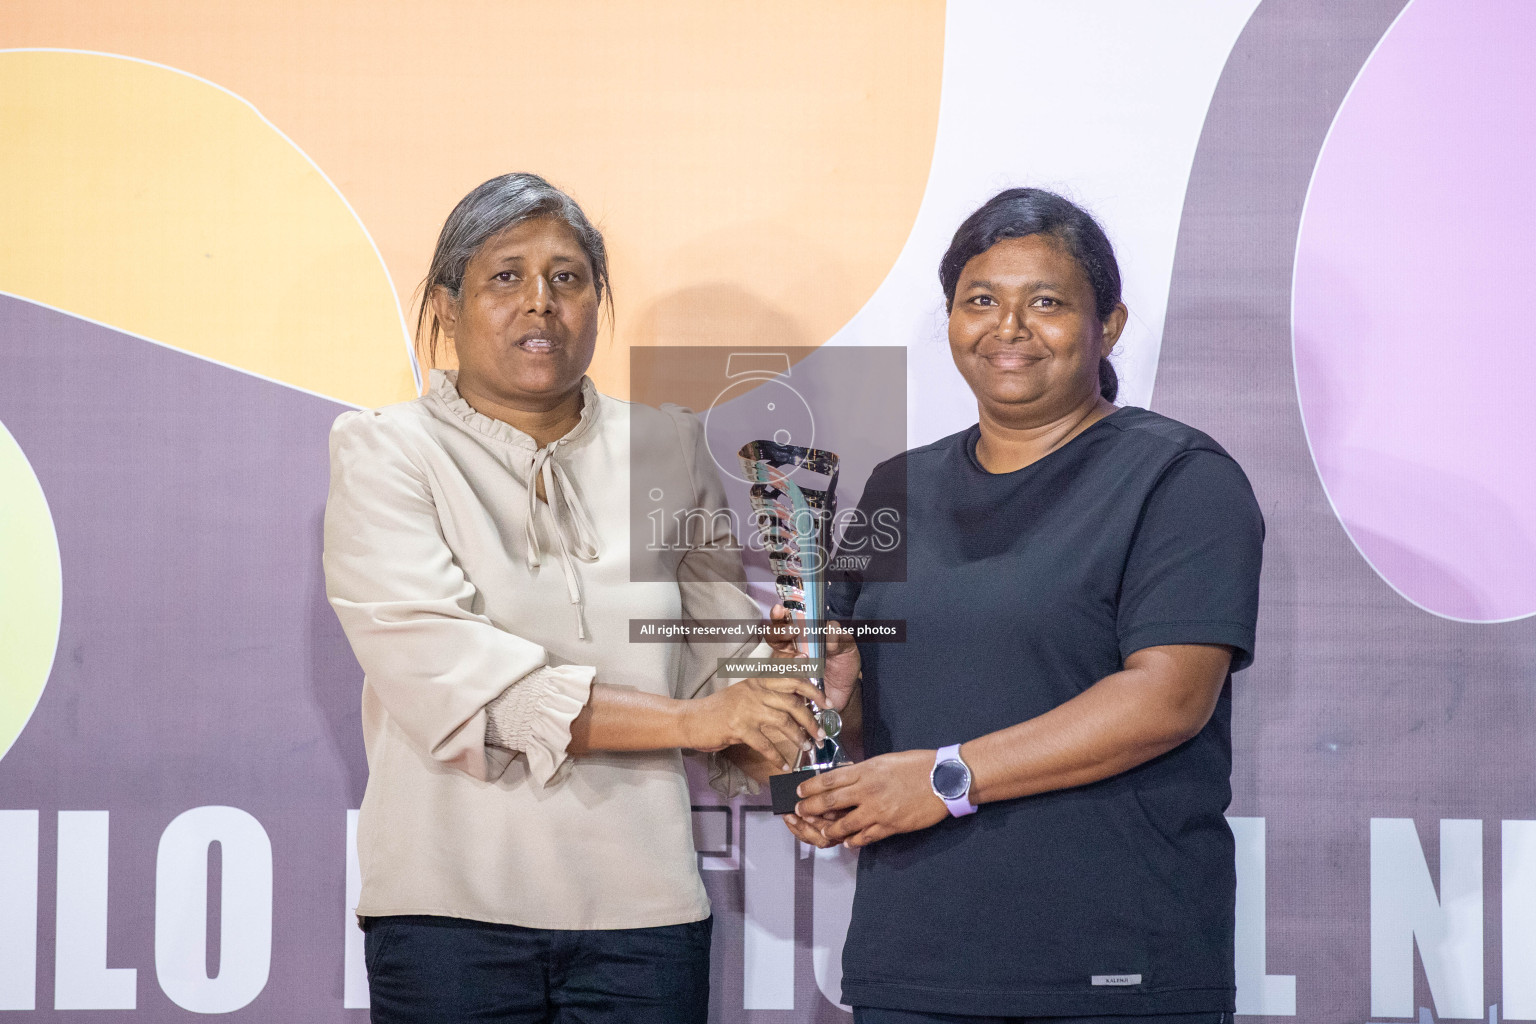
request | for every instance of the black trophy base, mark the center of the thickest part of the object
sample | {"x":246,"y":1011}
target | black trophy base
{"x":782,"y":787}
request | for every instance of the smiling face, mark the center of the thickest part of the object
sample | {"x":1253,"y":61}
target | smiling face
{"x":524,"y":325}
{"x":1025,"y":334}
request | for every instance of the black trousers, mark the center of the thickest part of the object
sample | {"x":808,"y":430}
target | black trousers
{"x":874,"y":1015}
{"x":444,"y":970}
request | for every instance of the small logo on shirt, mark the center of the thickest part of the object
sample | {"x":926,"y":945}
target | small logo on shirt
{"x":1117,"y":979}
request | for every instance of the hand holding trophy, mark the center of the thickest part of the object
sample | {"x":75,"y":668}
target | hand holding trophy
{"x":796,"y":525}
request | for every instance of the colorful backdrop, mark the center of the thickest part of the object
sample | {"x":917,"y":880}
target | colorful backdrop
{"x":214,"y":219}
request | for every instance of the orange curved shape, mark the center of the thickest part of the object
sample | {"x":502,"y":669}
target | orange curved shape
{"x":773,"y":151}
{"x":158,"y":204}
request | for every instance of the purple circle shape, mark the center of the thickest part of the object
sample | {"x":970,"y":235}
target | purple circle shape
{"x":1414,"y":346}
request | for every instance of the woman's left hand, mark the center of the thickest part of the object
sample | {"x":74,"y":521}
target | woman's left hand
{"x":873,"y":799}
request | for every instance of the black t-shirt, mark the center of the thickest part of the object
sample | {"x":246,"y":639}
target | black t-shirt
{"x":1022,"y":590}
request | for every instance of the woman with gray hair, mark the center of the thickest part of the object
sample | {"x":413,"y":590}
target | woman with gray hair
{"x":525,"y":838}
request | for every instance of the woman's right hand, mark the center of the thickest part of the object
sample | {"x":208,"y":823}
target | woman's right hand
{"x":843,"y":665}
{"x":770,"y":714}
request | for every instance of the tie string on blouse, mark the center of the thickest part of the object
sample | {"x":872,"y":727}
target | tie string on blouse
{"x":574,"y":533}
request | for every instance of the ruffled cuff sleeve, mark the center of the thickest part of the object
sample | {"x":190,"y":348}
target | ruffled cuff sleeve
{"x":533,"y":716}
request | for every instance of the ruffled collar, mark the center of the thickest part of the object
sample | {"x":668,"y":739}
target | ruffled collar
{"x":444,"y":387}
{"x":575,"y":537}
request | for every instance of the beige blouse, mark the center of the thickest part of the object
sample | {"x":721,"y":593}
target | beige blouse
{"x":481,"y":616}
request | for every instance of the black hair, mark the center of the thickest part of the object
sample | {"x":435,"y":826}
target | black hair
{"x":492,"y":207}
{"x":1019,"y":212}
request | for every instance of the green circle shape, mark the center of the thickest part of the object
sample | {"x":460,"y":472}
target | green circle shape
{"x":31,"y":590}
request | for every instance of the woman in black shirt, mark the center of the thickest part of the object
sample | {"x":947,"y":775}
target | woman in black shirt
{"x":1082,"y":580}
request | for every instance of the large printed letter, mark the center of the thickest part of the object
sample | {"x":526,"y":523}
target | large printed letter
{"x":181,"y":910}
{"x":1405,"y":910}
{"x":1519,"y":920}
{"x":354,"y":983}
{"x":1267,"y":995}
{"x":831,"y":910}
{"x":18,"y":910}
{"x":81,"y":978}
{"x":768,"y":946}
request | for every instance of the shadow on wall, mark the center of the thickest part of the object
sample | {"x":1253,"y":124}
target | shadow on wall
{"x":1458,"y":505}
{"x":1445,"y":541}
{"x":715,"y":316}
{"x":805,"y":302}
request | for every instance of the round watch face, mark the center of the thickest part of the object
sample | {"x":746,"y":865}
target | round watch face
{"x":951,"y":779}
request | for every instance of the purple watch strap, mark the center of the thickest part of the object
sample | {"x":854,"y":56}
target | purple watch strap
{"x":961,"y":805}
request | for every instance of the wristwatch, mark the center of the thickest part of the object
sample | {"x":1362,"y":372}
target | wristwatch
{"x":951,"y":781}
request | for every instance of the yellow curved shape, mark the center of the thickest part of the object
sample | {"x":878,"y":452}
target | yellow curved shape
{"x":31,"y":590}
{"x":777,"y":151}
{"x":157,"y":203}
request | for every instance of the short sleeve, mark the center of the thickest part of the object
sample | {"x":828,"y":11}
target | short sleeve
{"x":1192,"y":574}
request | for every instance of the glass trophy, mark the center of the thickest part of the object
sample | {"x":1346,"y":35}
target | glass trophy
{"x":796,"y":526}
